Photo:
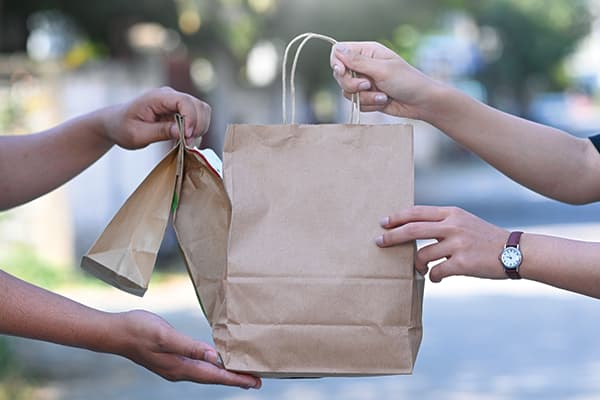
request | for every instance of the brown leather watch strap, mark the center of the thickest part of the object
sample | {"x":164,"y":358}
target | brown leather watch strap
{"x":512,"y":273}
{"x":513,"y":239}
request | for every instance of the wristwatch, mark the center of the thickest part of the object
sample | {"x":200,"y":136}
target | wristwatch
{"x":511,"y":257}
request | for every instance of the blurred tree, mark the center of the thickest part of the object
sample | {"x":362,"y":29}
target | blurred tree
{"x":536,"y":36}
{"x":232,"y":26}
{"x":104,"y":22}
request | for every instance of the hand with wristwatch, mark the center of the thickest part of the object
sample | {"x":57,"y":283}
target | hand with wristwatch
{"x":542,"y":158}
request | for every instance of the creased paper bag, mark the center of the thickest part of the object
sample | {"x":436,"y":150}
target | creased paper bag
{"x":183,"y":182}
{"x":307,"y":291}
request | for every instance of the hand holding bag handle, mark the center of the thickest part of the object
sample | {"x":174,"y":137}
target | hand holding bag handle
{"x":305,"y":37}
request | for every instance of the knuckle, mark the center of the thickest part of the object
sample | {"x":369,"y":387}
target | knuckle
{"x":166,"y":89}
{"x":459,"y":260}
{"x":454,"y":211}
{"x":461,"y":242}
{"x":161,"y":339}
{"x":421,"y":258}
{"x":171,"y":377}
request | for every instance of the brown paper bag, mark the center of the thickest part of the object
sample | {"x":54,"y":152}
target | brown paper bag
{"x":308,"y":293}
{"x":125,"y":253}
{"x":282,"y":255}
{"x":306,"y":290}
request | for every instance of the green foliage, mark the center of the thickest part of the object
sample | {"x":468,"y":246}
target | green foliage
{"x":537,"y":35}
{"x":23,"y":263}
{"x":11,"y":114}
{"x":12,"y":386}
{"x":5,"y":357}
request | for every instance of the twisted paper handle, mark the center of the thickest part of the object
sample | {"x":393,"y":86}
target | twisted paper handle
{"x":180,"y":120}
{"x":305,"y":37}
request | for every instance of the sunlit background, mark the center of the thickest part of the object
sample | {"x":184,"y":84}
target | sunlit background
{"x":483,"y":340}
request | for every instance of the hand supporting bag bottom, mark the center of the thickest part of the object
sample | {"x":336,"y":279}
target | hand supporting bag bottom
{"x":307,"y":293}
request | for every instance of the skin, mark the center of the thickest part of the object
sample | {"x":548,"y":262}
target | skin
{"x":32,"y":312}
{"x":540,"y":157}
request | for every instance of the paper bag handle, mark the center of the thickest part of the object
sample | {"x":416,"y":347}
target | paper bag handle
{"x":305,"y":37}
{"x":180,"y":120}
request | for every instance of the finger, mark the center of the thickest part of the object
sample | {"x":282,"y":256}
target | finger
{"x":182,"y":345}
{"x":200,"y":372}
{"x":416,"y":213}
{"x":351,"y":83}
{"x":166,"y":101}
{"x":443,"y":270}
{"x":202,"y":118}
{"x":338,"y":67}
{"x":162,"y":130}
{"x":409,"y":232}
{"x":370,"y":98}
{"x":429,"y":253}
{"x":354,"y":60}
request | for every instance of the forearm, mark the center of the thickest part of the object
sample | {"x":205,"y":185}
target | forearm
{"x":32,"y":165}
{"x":567,"y":264}
{"x":32,"y":312}
{"x":540,"y":157}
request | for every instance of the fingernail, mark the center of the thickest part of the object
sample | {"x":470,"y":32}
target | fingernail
{"x":384,"y":221}
{"x":336,"y":69}
{"x":258,"y":384}
{"x":190,"y":132}
{"x":210,"y":356}
{"x":379,"y":241}
{"x":381,"y":98}
{"x":342,"y":49}
{"x":366,"y":85}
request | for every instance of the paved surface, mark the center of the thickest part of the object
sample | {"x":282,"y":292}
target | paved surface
{"x":482,"y":339}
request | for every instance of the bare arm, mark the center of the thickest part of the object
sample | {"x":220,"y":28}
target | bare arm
{"x":32,"y":165}
{"x":144,"y":338}
{"x":471,"y":246}
{"x":545,"y":159}
{"x":542,"y":158}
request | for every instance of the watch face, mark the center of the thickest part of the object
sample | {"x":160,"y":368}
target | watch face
{"x":511,"y":257}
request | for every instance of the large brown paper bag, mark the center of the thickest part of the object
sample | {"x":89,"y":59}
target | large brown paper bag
{"x":307,"y":293}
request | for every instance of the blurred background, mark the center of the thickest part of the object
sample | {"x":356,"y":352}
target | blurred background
{"x":538,"y":59}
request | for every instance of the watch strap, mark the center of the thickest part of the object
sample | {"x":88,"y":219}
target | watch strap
{"x":512,"y":273}
{"x":513,"y":239}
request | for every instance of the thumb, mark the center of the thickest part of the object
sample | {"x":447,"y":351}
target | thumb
{"x":443,"y":270}
{"x":163,"y":130}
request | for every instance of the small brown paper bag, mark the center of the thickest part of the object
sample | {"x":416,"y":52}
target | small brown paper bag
{"x":282,"y":253}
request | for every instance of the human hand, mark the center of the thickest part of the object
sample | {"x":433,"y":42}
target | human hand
{"x":150,"y":118}
{"x":385,"y":81}
{"x":151,"y":342}
{"x":469,"y":244}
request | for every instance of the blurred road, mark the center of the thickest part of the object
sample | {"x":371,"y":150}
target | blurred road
{"x":482,"y":339}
